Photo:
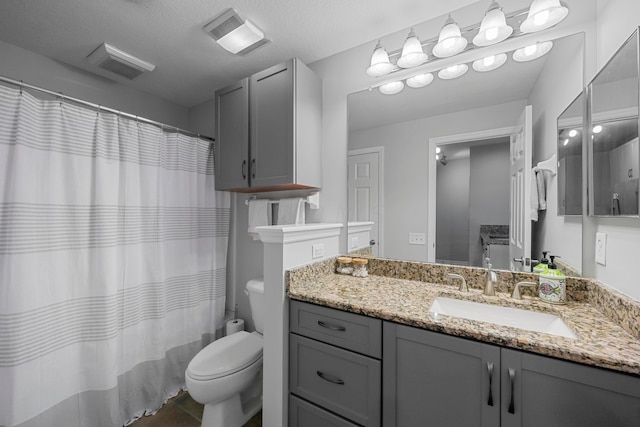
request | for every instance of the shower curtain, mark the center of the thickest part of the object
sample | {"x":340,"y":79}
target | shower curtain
{"x":112,"y":262}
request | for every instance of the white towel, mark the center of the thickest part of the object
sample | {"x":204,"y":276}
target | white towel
{"x":538,"y":193}
{"x":259,"y":214}
{"x":291,"y":211}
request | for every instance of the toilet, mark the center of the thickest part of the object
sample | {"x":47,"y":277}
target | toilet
{"x":226,"y":375}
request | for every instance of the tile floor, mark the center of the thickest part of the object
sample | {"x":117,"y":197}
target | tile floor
{"x":183,"y":411}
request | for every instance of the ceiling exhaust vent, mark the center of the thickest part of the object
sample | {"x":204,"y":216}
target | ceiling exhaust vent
{"x":234,"y":34}
{"x":119,"y":62}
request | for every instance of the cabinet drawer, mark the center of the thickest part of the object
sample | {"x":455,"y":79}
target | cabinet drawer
{"x":341,"y":381}
{"x":305,"y":414}
{"x":347,"y":330}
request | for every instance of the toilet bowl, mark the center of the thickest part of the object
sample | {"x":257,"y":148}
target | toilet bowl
{"x":226,"y":375}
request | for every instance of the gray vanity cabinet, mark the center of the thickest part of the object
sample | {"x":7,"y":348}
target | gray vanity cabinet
{"x":435,"y":379}
{"x":556,"y":393}
{"x":268,"y":131}
{"x":334,"y":367}
{"x":440,"y":380}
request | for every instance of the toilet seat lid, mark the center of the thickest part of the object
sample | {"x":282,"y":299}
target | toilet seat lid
{"x":226,"y":356}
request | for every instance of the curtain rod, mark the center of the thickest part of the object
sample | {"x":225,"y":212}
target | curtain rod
{"x":98,"y":107}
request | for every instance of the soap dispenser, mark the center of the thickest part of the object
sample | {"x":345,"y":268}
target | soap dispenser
{"x":553,"y":285}
{"x":543,"y":265}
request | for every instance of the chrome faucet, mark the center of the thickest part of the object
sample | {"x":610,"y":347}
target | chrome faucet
{"x":516,"y":289}
{"x":463,"y":283}
{"x":492,"y":278}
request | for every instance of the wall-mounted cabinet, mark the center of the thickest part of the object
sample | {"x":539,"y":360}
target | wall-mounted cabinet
{"x":268,"y":131}
{"x":614,"y":155}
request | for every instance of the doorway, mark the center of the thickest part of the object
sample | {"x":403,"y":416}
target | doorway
{"x":472,"y":189}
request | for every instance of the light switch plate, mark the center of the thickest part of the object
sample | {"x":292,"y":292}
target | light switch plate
{"x":601,"y":248}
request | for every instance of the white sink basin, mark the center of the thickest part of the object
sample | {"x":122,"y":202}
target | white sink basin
{"x":506,"y":316}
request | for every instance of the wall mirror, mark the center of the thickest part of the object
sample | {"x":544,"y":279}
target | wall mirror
{"x":570,"y":133}
{"x":613,"y":119}
{"x":388,"y":149}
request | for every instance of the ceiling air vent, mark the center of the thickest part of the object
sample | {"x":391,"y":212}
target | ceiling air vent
{"x":234,"y":34}
{"x":119,"y":62}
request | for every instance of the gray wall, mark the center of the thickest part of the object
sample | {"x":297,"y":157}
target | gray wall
{"x":488,"y":193}
{"x":452,"y":211}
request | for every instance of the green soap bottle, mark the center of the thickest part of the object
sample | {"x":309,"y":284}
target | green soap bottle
{"x":553,"y":285}
{"x":543,"y":265}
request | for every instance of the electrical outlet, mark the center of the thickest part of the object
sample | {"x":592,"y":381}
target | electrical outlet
{"x":417,"y":239}
{"x":601,"y":248}
{"x":317,"y":251}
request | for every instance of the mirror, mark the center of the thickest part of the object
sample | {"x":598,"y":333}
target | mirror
{"x":389,"y":143}
{"x":570,"y":132}
{"x":615,"y":155}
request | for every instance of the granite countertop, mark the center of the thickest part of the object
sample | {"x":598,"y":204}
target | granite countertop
{"x":601,"y":341}
{"x":494,"y":234}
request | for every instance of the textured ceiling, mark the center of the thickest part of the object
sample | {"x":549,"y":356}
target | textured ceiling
{"x":190,"y":66}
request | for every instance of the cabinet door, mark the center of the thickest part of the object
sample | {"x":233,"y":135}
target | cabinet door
{"x":272,"y":126}
{"x":432,"y":379}
{"x":541,"y":391}
{"x":232,"y":136}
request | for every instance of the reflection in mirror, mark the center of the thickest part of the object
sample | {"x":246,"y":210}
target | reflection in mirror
{"x":395,"y":131}
{"x":615,"y":155}
{"x":570,"y":132}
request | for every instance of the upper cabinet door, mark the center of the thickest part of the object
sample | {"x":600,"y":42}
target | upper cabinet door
{"x":272,"y":126}
{"x":232,"y":136}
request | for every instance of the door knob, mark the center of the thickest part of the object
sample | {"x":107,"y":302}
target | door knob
{"x":372,"y":242}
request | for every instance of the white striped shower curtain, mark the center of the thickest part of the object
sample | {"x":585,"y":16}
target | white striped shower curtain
{"x":113,"y":248}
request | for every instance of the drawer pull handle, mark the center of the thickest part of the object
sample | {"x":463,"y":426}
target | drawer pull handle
{"x":512,"y":380}
{"x":329,"y":378}
{"x":244,"y":169}
{"x":490,"y":372}
{"x":332,"y":327}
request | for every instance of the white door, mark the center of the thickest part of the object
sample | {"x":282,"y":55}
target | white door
{"x":520,"y":175}
{"x":364,"y":194}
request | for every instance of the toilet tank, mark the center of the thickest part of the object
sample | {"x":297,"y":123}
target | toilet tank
{"x":255,"y":288}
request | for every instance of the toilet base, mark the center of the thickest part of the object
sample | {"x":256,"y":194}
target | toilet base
{"x":237,"y":410}
{"x":229,"y":413}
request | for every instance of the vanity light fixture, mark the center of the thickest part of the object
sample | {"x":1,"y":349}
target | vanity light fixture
{"x":392,"y":88}
{"x":490,"y":63}
{"x":380,"y":64}
{"x":531,"y":52}
{"x":420,"y":80}
{"x":543,"y":14}
{"x":450,"y":41}
{"x":493,"y":28}
{"x":412,"y":53}
{"x":573,"y":133}
{"x":597,"y":129}
{"x":453,"y":71}
{"x":234,"y":34}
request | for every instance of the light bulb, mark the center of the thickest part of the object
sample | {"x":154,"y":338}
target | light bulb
{"x":566,"y":141}
{"x":493,"y":28}
{"x":534,"y":51}
{"x":420,"y":80}
{"x":450,"y":40}
{"x":453,"y":71}
{"x":380,"y":64}
{"x":438,"y":150}
{"x":573,"y":133}
{"x":391,"y":88}
{"x":490,"y":62}
{"x":412,"y":54}
{"x":597,"y":129}
{"x":543,"y":14}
